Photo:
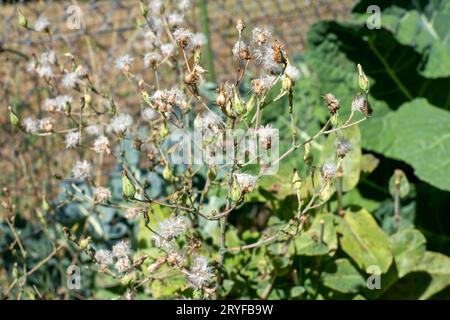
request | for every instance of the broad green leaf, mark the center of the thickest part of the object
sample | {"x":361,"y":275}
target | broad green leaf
{"x":342,"y":276}
{"x":364,"y":241}
{"x":422,"y":25}
{"x":418,"y":134}
{"x":308,"y":243}
{"x":408,"y":246}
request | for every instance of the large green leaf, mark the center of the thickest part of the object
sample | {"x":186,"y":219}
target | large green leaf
{"x":364,"y":241}
{"x":418,"y":134}
{"x":429,"y":277}
{"x":423,"y":25}
{"x":335,"y":49}
{"x":408,"y":246}
{"x":342,"y":276}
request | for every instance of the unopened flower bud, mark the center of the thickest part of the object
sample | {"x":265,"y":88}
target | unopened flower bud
{"x":236,"y":193}
{"x":84,"y":243}
{"x":13,"y":117}
{"x":221,"y":98}
{"x":308,"y":156}
{"x":362,"y":79}
{"x":128,"y":279}
{"x":128,"y":188}
{"x":239,"y":106}
{"x":167,"y":173}
{"x":23,"y":22}
{"x":296,"y":181}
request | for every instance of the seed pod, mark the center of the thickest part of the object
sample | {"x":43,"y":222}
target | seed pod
{"x":128,"y":279}
{"x":332,"y":103}
{"x":128,"y":188}
{"x":144,"y":9}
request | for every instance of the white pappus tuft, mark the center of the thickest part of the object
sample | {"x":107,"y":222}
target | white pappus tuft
{"x":328,"y":171}
{"x":246,"y":181}
{"x":292,"y":72}
{"x":82,"y":169}
{"x":101,"y":145}
{"x":121,"y":249}
{"x":69,"y":80}
{"x":261,"y":35}
{"x":169,"y":229}
{"x":104,"y":257}
{"x":121,"y":123}
{"x":200,"y":273}
{"x":124,"y":62}
{"x":41,"y":24}
{"x":151,"y":59}
{"x":72,"y":139}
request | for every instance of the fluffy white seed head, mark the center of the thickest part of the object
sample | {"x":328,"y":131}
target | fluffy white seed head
{"x":123,"y":264}
{"x":41,"y":23}
{"x":70,"y":80}
{"x":104,"y":257}
{"x":121,"y":249}
{"x":328,"y":171}
{"x":101,"y":194}
{"x":246,"y":181}
{"x":200,"y":273}
{"x":121,"y":123}
{"x":124,"y":62}
{"x":292,"y":72}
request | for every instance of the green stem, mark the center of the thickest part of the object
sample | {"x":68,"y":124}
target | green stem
{"x":204,"y":18}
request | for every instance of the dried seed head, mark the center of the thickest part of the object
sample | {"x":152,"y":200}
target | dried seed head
{"x":361,"y":104}
{"x":241,"y":51}
{"x":261,"y":35}
{"x":278,"y":54}
{"x":332,"y":102}
{"x":328,"y":171}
